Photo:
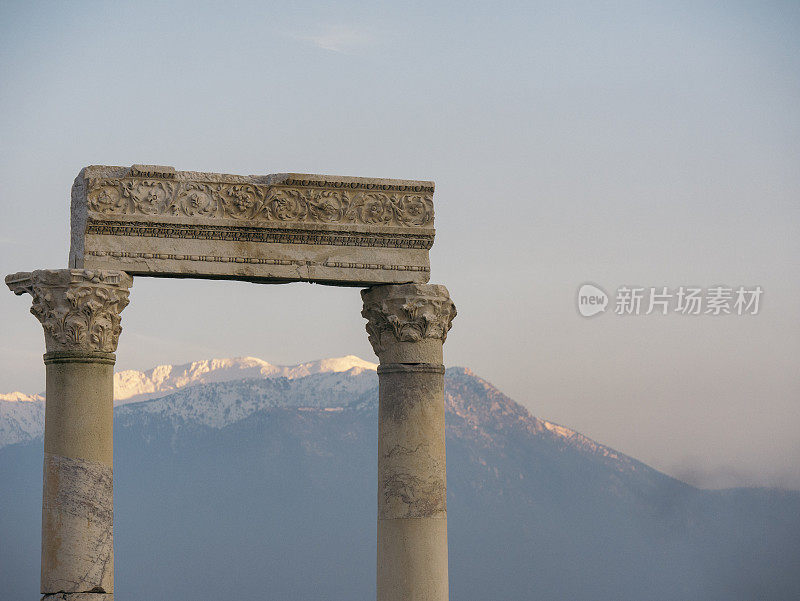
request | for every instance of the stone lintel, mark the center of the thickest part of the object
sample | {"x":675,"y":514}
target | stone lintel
{"x":156,"y":221}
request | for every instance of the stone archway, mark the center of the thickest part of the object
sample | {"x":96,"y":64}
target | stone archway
{"x":154,"y":221}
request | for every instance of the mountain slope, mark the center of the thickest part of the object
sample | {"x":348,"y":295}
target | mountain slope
{"x":266,"y":488}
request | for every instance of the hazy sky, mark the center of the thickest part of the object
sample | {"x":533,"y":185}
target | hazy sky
{"x":640,"y":144}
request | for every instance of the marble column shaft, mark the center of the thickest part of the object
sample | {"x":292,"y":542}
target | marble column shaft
{"x":407,"y":325}
{"x":80,"y":313}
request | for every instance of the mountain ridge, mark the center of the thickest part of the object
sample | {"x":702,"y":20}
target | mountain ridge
{"x":197,"y":392}
{"x":134,"y":385}
{"x":22,"y":415}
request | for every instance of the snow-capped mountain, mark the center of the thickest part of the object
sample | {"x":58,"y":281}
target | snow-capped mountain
{"x":131,"y":385}
{"x":22,"y":415}
{"x":220,"y":403}
{"x":218,"y":392}
{"x":21,"y":397}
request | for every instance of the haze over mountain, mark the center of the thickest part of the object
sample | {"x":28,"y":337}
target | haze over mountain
{"x":235,"y":475}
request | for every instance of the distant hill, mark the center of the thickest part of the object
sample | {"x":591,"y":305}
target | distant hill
{"x":265,"y":488}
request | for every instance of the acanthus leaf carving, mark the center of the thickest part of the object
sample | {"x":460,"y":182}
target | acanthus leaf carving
{"x":79,"y":309}
{"x":407,"y":313}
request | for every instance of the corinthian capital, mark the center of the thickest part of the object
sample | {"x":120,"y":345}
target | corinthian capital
{"x":79,"y":309}
{"x":408,"y":323}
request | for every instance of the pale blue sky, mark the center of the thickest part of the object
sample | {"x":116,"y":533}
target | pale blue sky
{"x":652,"y":144}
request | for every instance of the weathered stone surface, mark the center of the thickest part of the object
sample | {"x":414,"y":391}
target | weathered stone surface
{"x":77,"y":506}
{"x":407,"y":326}
{"x":411,"y":448}
{"x":79,"y":597}
{"x":79,"y":414}
{"x":77,"y":526}
{"x":412,"y":560}
{"x":408,"y":323}
{"x":79,"y":309}
{"x":152,"y":220}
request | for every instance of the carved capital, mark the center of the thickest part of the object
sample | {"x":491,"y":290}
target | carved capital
{"x":408,"y":323}
{"x":79,"y":309}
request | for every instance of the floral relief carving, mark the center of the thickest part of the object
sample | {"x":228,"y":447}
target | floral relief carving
{"x":327,"y":206}
{"x":78,"y":309}
{"x":407,"y":313}
{"x":194,"y":199}
{"x":323,"y":202}
{"x":287,"y":205}
{"x":238,"y":201}
{"x":106,"y":199}
{"x":148,"y":197}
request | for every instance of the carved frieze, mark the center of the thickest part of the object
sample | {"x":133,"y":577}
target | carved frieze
{"x":315,"y":202}
{"x":78,"y":309}
{"x":295,"y":227}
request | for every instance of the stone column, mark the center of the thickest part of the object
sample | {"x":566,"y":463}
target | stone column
{"x":407,"y":325}
{"x":80,"y":313}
